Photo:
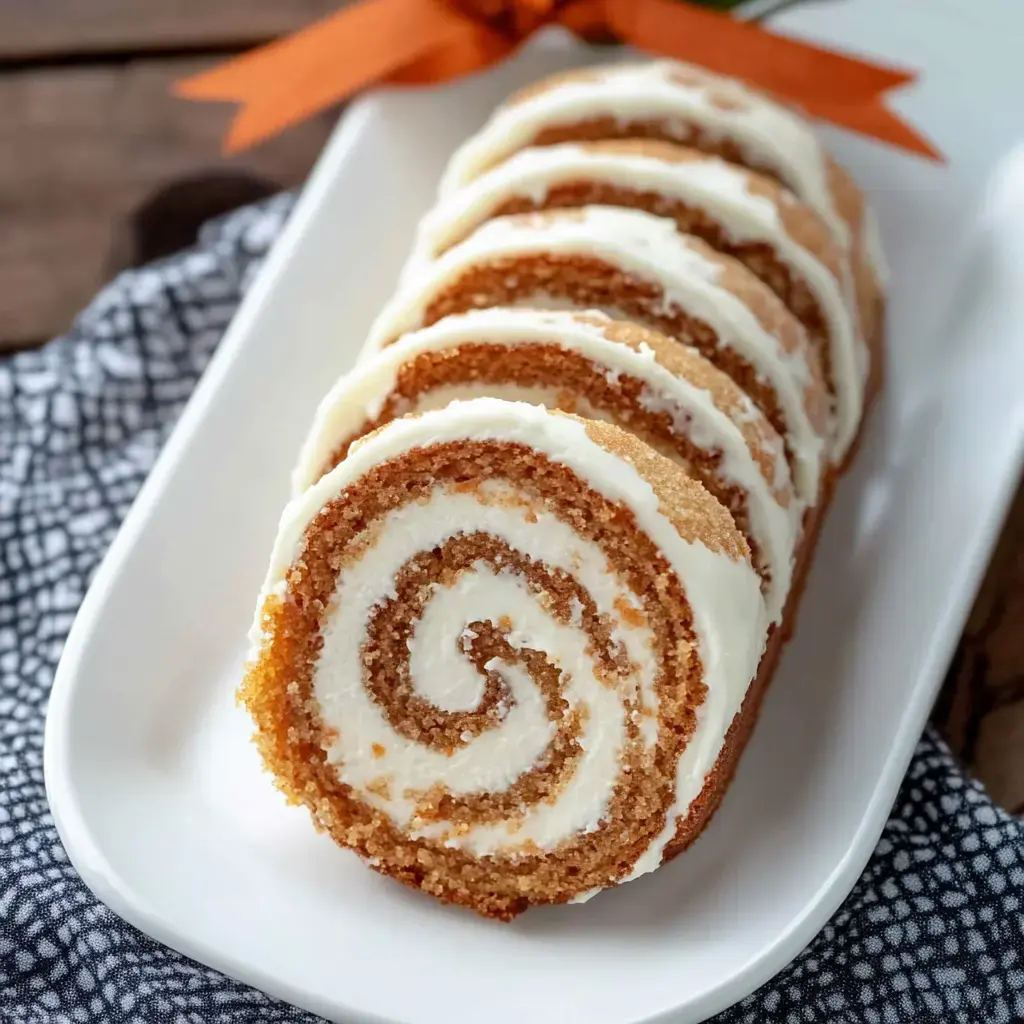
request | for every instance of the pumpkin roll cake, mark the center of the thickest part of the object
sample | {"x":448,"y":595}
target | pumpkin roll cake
{"x":676,"y":102}
{"x":548,"y":538}
{"x":638,"y":267}
{"x":504,"y":653}
{"x":586,"y":363}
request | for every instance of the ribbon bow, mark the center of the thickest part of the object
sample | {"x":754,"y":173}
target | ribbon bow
{"x":425,"y":41}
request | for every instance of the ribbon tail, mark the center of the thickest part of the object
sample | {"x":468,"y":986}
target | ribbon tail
{"x":847,"y":91}
{"x":283,"y":83}
{"x":876,"y":121}
{"x":476,"y":48}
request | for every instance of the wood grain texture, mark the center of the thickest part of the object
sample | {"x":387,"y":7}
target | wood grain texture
{"x":981,"y":708}
{"x":84,"y":149}
{"x":31,"y":29}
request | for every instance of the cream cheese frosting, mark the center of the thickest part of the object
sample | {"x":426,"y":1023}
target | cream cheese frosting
{"x":770,"y":135}
{"x":722,"y":189}
{"x":357,"y":398}
{"x":652,"y":249}
{"x":729,"y":623}
{"x":871,"y":233}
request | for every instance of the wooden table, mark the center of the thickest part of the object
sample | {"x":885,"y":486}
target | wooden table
{"x":101,"y":166}
{"x":102,"y":169}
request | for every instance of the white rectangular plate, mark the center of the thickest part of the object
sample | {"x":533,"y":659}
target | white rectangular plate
{"x":157,"y":794}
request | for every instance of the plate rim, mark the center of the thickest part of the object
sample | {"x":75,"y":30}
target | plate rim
{"x":83,"y":847}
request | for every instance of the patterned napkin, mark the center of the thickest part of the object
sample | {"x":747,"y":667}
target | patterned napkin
{"x":933,"y":931}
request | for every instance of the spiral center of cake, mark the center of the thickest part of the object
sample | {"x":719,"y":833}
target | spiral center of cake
{"x":491,"y":674}
{"x":486,"y":672}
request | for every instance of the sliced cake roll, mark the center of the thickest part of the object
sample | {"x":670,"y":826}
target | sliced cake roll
{"x":503,"y":654}
{"x":638,"y":267}
{"x":738,"y":212}
{"x":676,"y":102}
{"x":664,"y":393}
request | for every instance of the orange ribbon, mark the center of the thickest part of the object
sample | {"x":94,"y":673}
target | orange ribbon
{"x":425,"y":41}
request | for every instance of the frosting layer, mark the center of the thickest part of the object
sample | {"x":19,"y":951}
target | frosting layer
{"x":769,"y":136}
{"x":704,"y":408}
{"x":682,"y":274}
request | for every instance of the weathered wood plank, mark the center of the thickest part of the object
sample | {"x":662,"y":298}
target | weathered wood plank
{"x":981,"y":710}
{"x":85,"y":147}
{"x":48,"y":28}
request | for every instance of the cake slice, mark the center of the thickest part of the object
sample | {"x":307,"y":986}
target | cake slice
{"x":504,"y":654}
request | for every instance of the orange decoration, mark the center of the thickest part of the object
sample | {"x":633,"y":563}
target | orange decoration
{"x":427,"y":41}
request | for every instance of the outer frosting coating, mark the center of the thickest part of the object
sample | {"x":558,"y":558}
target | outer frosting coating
{"x":724,"y":190}
{"x":358,"y":398}
{"x":769,"y":133}
{"x":723,"y":593}
{"x":872,"y":235}
{"x":652,"y":249}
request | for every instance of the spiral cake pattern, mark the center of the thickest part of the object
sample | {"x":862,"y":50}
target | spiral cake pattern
{"x":513,"y":645}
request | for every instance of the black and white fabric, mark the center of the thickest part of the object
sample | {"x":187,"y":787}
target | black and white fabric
{"x":934,"y":930}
